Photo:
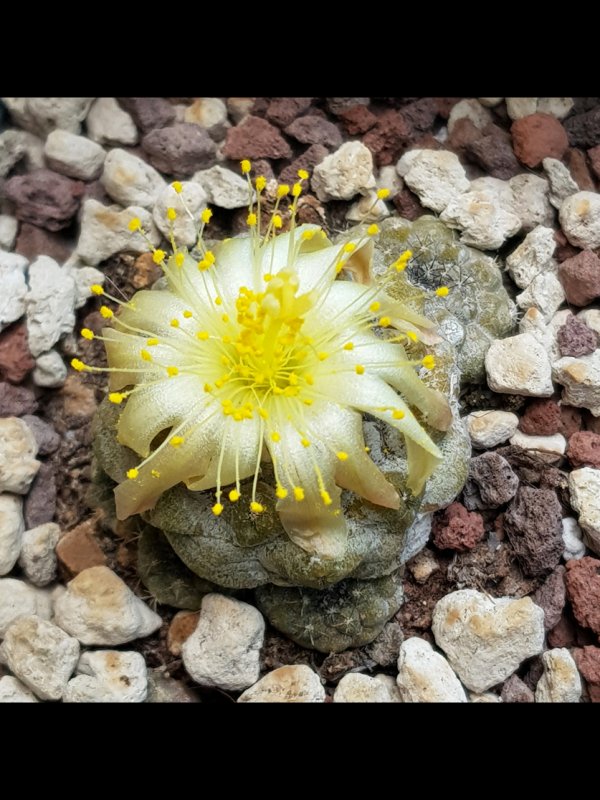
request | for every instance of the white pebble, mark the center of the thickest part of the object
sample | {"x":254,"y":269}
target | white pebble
{"x":545,"y":292}
{"x":75,"y":156}
{"x":584,"y":491}
{"x":38,"y":557}
{"x":490,"y":428}
{"x":436,"y":176}
{"x":549,"y":448}
{"x":105,"y":232}
{"x":486,"y":639}
{"x":18,"y":449}
{"x":580,"y":219}
{"x":519,"y":365}
{"x":108,"y":676}
{"x":50,"y":370}
{"x":130,"y":181}
{"x":14,"y":287}
{"x":519,"y":107}
{"x":185,"y":228}
{"x":472,"y":110}
{"x":295,"y":683}
{"x":483,"y":222}
{"x":107,"y":123}
{"x":19,"y":599}
{"x":345,"y":173}
{"x":530,"y":200}
{"x":41,"y":655}
{"x":572,"y":537}
{"x":8,"y":231}
{"x":357,"y":688}
{"x":13,"y":691}
{"x":11,"y":531}
{"x":99,"y":608}
{"x":424,"y":676}
{"x":224,"y":649}
{"x":50,"y":304}
{"x":561,"y":181}
{"x":533,"y":256}
{"x":224,"y":188}
{"x":368,"y":209}
{"x":560,"y":682}
{"x":580,"y":378}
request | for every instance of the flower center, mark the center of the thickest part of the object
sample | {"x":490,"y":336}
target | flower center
{"x":269,"y":353}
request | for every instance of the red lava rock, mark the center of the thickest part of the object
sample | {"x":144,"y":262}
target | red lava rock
{"x":15,"y":359}
{"x":552,"y":596}
{"x":538,"y":136}
{"x":464,"y":133}
{"x":308,"y":160}
{"x":388,"y":138}
{"x":515,"y":691}
{"x":33,"y":242}
{"x":183,"y":624}
{"x":493,"y":151}
{"x":40,"y":503}
{"x":594,"y":157}
{"x":408,"y":205}
{"x":541,"y":418}
{"x":584,"y":449}
{"x":46,"y":437}
{"x":494,"y":480}
{"x":583,"y":130}
{"x":262,"y":166}
{"x":337,"y":105}
{"x":420,"y":114}
{"x":357,"y":120}
{"x":533,"y":525}
{"x":563,"y":634}
{"x":457,"y":529}
{"x":575,"y":338}
{"x":180,"y":149}
{"x":255,"y":138}
{"x":148,"y":112}
{"x":588,"y":664}
{"x":78,"y":549}
{"x":282,"y":111}
{"x":16,"y":400}
{"x":577,"y":164}
{"x":583,"y":590}
{"x":315,"y":130}
{"x":580,"y":278}
{"x":571,"y":420}
{"x":44,"y":198}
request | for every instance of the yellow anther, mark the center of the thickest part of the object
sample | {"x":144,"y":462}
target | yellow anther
{"x":349,"y":247}
{"x":172,"y":372}
{"x":96,"y":289}
{"x":155,"y":473}
{"x":303,"y":174}
{"x":116,"y":398}
{"x":277,"y":221}
{"x":135,"y":224}
{"x":373,"y":230}
{"x":145,"y":355}
{"x":207,"y":388}
{"x":171,"y":214}
{"x":210,"y":257}
{"x":179,"y":259}
{"x":412,"y":336}
{"x":262,"y":412}
{"x":349,"y":346}
{"x":188,"y":314}
{"x":175,"y":441}
{"x":261,"y":182}
{"x":304,"y":442}
{"x":246,"y":166}
{"x":342,"y":455}
{"x":218,"y":301}
{"x":428,"y":362}
{"x":202,"y":335}
{"x":326,"y":497}
{"x":298,"y":493}
{"x":151,"y":342}
{"x":87,"y":333}
{"x":296,"y":190}
{"x":339,"y":266}
{"x":397,"y":414}
{"x":308,"y":235}
{"x":234,"y":495}
{"x":177,"y":186}
{"x":283,"y":190}
{"x":257,"y":508}
{"x":276,"y":437}
{"x":375,"y":306}
{"x":174,"y":323}
{"x":359,"y":369}
{"x":132,"y":473}
{"x":308,"y":401}
{"x":442,"y":291}
{"x":385,"y":321}
{"x":251,"y":219}
{"x":106,"y":312}
{"x":225,"y":318}
{"x":203,"y":265}
{"x":322,"y":355}
{"x":382,"y":194}
{"x":217,"y":509}
{"x":281,"y":492}
{"x":158,"y":256}
{"x":206,"y":215}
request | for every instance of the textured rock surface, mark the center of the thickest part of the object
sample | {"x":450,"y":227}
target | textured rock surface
{"x":516,"y":691}
{"x":98,"y":608}
{"x":575,"y":339}
{"x":580,"y":277}
{"x":11,"y":531}
{"x":44,"y":198}
{"x":130,"y":181}
{"x":457,"y":529}
{"x":580,"y":219}
{"x":560,"y":682}
{"x":572,"y":538}
{"x":74,"y":156}
{"x":50,"y":304}
{"x":486,"y":639}
{"x":179,"y":150}
{"x":580,"y":378}
{"x":584,"y":449}
{"x":14,"y":287}
{"x":224,"y":648}
{"x":19,"y":599}
{"x":41,"y":655}
{"x":255,"y":138}
{"x":538,"y":136}
{"x":105,"y":231}
{"x":490,"y":428}
{"x":356,"y":688}
{"x":491,"y":481}
{"x":13,"y":691}
{"x":584,"y":492}
{"x":533,"y":525}
{"x":184,"y":228}
{"x":424,"y":676}
{"x":38,"y":557}
{"x":223,"y":187}
{"x":436,"y":176}
{"x":345,"y":173}
{"x":107,"y":123}
{"x":18,"y":448}
{"x":583,"y":590}
{"x":296,"y":683}
{"x":532,"y":257}
{"x":551,"y":597}
{"x":519,"y":365}
{"x":550,"y":448}
{"x":108,"y":676}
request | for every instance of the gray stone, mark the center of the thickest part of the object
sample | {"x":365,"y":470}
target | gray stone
{"x":561,"y":181}
{"x":345,"y":173}
{"x":486,"y":639}
{"x":8,"y":231}
{"x":436,"y":176}
{"x":573,"y":539}
{"x":545,"y":292}
{"x":533,"y":256}
{"x":490,"y":428}
{"x":209,"y":113}
{"x":19,"y":599}
{"x":105,"y":232}
{"x":580,"y":378}
{"x":107,"y":123}
{"x":530,"y":200}
{"x":185,"y":226}
{"x":41,"y":655}
{"x":13,"y":691}
{"x":224,"y":649}
{"x":18,"y":449}
{"x":224,"y":187}
{"x":519,"y":365}
{"x":560,"y":682}
{"x":424,"y":675}
{"x":584,"y":491}
{"x":483,"y":222}
{"x":41,"y":115}
{"x":99,"y":608}
{"x":11,"y":531}
{"x":130,"y":181}
{"x":295,"y":683}
{"x":14,"y":287}
{"x":50,"y":370}
{"x":38,"y":556}
{"x":50,"y":304}
{"x":74,"y":156}
{"x":108,"y":676}
{"x":580,"y":219}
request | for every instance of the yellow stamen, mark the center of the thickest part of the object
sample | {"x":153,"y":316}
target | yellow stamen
{"x":87,"y":333}
{"x":171,"y":214}
{"x":359,"y":369}
{"x":172,"y":371}
{"x":135,"y":224}
{"x":246,"y":166}
{"x":106,"y":312}
{"x":96,"y":289}
{"x":206,"y":215}
{"x":257,"y":508}
{"x":158,"y":256}
{"x":217,"y":509}
{"x":281,"y":492}
{"x":298,"y":493}
{"x":175,"y":441}
{"x":132,"y":473}
{"x":116,"y":398}
{"x":234,"y":495}
{"x":342,"y":455}
{"x":177,"y":186}
{"x":428,"y":362}
{"x":442,"y":291}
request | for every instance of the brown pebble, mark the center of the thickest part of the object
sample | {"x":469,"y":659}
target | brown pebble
{"x":538,"y":136}
{"x":181,"y":628}
{"x":583,"y":590}
{"x":15,"y":359}
{"x":78,"y":549}
{"x":580,"y":277}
